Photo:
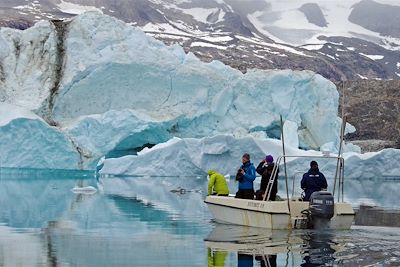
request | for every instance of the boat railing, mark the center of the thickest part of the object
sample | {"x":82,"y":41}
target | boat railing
{"x":339,"y":176}
{"x":297,"y":173}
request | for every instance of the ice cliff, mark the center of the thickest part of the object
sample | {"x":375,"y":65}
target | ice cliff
{"x":27,"y":141}
{"x":101,"y":85}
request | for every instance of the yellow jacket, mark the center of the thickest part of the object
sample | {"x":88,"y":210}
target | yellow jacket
{"x":218,"y":182}
{"x":216,"y":258}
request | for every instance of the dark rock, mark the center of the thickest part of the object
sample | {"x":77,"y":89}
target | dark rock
{"x":314,"y":14}
{"x":373,"y":107}
{"x":377,"y":17}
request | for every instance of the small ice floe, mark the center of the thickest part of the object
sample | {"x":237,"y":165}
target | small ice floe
{"x":87,"y":190}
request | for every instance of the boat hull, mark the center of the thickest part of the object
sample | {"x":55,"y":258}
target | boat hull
{"x":272,"y":214}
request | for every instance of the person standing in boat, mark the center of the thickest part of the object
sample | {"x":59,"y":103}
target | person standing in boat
{"x":265,"y":169}
{"x":313,"y":181}
{"x":217,"y":184}
{"x":246,"y":176}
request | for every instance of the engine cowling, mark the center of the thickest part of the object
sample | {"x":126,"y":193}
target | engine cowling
{"x":321,"y":205}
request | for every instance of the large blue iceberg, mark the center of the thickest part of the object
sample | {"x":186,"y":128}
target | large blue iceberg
{"x":104,"y":86}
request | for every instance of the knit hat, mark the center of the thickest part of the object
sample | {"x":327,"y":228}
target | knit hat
{"x":313,"y":163}
{"x":269,"y":158}
{"x":246,"y":156}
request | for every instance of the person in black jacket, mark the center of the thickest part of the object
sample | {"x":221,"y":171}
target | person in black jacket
{"x":265,"y":168}
{"x":313,"y":181}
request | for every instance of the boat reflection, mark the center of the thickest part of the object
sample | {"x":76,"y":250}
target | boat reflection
{"x":318,"y":249}
{"x":261,"y":247}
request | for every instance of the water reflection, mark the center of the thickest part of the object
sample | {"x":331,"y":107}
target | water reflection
{"x":361,"y":246}
{"x":143,"y":221}
{"x":317,"y":249}
{"x":253,"y":246}
{"x":53,"y":226}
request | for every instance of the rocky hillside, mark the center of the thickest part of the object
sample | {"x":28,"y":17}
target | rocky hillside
{"x":341,"y":42}
{"x":373,"y":107}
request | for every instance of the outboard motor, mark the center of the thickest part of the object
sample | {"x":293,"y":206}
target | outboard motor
{"x":321,"y":209}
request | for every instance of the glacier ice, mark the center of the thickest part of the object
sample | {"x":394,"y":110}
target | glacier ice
{"x":290,"y":136}
{"x":27,"y":141}
{"x":193,"y":157}
{"x":108,"y":92}
{"x":27,"y":65}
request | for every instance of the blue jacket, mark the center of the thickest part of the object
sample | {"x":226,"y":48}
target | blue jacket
{"x":248,"y":177}
{"x":313,"y":181}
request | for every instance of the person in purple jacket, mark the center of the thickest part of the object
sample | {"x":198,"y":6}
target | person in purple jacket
{"x":313,"y":181}
{"x":246,"y":176}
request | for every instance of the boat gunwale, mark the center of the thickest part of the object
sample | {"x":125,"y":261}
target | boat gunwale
{"x":246,"y":209}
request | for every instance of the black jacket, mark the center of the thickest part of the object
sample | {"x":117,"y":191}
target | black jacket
{"x":313,"y":181}
{"x":266,"y":171}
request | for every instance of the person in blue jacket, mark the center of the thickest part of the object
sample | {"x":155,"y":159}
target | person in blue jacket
{"x":245,"y":176}
{"x":313,"y":181}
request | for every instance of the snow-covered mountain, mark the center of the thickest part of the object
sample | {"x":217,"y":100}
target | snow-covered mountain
{"x":341,"y":40}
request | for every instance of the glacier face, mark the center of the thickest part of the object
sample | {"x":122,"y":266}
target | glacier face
{"x":107,"y":86}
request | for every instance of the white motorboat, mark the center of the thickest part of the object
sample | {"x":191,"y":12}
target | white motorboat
{"x":289,"y":213}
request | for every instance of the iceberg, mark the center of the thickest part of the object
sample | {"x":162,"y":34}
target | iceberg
{"x":27,"y":141}
{"x":193,"y":157}
{"x":28,"y":62}
{"x":91,"y":93}
{"x":124,"y":90}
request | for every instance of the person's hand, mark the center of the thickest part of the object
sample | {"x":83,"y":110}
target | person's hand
{"x":242,"y":171}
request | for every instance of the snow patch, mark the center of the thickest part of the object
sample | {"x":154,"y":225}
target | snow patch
{"x":280,"y":21}
{"x":221,"y":38}
{"x":362,"y":77}
{"x":312,"y":46}
{"x":275,"y":45}
{"x":71,"y":8}
{"x":373,"y":57}
{"x":200,"y":14}
{"x":327,"y":55}
{"x":207,"y":45}
{"x":163,"y":28}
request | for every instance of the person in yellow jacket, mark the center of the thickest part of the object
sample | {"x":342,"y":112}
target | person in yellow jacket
{"x":217,"y":184}
{"x":216,"y":258}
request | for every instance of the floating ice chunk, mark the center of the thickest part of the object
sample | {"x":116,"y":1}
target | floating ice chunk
{"x":87,"y":190}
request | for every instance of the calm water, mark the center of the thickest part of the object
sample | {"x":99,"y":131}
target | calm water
{"x":163,"y":221}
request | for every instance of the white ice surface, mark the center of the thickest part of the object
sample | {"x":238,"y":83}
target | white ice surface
{"x":193,"y":157}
